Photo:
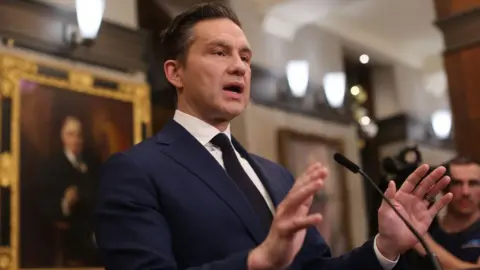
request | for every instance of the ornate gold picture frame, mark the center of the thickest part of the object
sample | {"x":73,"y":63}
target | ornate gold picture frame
{"x":49,"y":113}
{"x":296,"y":152}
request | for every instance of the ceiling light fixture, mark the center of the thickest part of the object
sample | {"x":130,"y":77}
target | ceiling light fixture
{"x":334,"y":85}
{"x":89,"y":18}
{"x":442,"y":123}
{"x":297,"y":76}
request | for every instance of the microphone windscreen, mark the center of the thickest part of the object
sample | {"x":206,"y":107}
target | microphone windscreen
{"x":345,"y":162}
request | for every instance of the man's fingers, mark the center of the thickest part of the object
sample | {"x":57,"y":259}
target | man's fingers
{"x":298,"y":223}
{"x":312,"y":169}
{"x":314,"y":173}
{"x":429,"y":182}
{"x":438,"y":187}
{"x":438,"y":205}
{"x":413,"y":179}
{"x":391,"y":190}
{"x":295,"y":198}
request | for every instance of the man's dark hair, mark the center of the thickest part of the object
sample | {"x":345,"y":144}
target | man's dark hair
{"x":178,"y":36}
{"x":459,"y":160}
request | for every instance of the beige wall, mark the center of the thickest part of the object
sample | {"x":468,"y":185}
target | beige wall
{"x":385,"y":90}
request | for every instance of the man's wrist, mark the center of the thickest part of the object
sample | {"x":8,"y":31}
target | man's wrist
{"x":386,"y":249}
{"x":258,"y":260}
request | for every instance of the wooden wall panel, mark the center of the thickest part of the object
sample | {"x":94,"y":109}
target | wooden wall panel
{"x":445,"y":8}
{"x":459,"y":21}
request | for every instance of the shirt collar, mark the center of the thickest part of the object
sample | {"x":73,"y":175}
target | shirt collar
{"x":199,"y":129}
{"x":70,"y":156}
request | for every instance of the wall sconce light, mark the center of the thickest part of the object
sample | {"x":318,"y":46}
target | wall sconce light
{"x":89,"y":19}
{"x":334,"y":85}
{"x":368,"y":126}
{"x":370,"y":129}
{"x":442,"y":123}
{"x":297,"y":76}
{"x":359,"y":94}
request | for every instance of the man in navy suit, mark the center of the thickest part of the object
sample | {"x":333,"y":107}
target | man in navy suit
{"x":191,"y":197}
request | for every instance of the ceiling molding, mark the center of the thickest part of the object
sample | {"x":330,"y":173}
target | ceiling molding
{"x":280,"y":27}
{"x":460,"y":30}
{"x":283,"y":20}
{"x":286,"y":29}
{"x":362,"y":37}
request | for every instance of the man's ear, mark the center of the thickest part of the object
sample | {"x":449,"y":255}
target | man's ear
{"x":171,"y":69}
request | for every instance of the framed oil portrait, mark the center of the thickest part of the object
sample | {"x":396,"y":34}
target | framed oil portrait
{"x":58,"y":125}
{"x":296,"y":152}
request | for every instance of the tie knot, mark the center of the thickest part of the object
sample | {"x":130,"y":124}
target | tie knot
{"x":222,"y":141}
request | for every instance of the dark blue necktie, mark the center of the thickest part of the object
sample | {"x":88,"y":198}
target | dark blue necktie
{"x":240,"y":177}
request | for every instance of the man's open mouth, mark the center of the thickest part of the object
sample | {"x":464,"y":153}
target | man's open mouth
{"x":234,"y":87}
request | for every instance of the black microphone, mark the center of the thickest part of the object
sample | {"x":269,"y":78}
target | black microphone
{"x":345,"y":162}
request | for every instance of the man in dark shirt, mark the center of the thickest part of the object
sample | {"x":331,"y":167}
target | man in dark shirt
{"x":465,"y":244}
{"x":455,"y":238}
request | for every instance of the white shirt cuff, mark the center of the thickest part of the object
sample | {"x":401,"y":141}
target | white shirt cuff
{"x":384,"y":262}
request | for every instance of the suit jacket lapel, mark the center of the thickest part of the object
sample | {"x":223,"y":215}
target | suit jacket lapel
{"x":182,"y":147}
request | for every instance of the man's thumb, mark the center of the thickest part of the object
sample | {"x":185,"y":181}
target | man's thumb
{"x":391,"y":190}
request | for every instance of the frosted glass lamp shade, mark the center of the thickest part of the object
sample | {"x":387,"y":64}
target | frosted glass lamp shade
{"x":297,"y":76}
{"x":89,"y":17}
{"x":334,"y":85}
{"x":442,"y":123}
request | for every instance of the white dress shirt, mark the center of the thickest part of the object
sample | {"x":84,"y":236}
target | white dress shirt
{"x":204,"y":133}
{"x":79,"y":165}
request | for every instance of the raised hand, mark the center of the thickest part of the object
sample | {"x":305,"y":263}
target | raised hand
{"x":290,"y":222}
{"x":412,"y":200}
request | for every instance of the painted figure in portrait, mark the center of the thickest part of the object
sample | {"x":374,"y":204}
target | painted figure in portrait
{"x":67,"y":185}
{"x":61,"y":155}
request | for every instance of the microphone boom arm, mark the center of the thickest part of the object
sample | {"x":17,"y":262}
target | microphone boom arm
{"x":345,"y":162}
{"x":430,"y":254}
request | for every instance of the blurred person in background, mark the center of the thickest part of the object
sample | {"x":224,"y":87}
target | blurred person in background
{"x":455,"y":237}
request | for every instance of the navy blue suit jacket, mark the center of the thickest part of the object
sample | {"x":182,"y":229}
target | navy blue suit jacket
{"x":167,"y":204}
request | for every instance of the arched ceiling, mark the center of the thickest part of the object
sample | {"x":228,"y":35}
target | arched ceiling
{"x":400,"y":30}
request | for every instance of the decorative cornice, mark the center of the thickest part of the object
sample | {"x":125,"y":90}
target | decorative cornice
{"x":460,"y":30}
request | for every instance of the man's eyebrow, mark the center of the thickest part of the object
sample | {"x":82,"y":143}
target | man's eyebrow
{"x":246,"y":49}
{"x":221,"y":43}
